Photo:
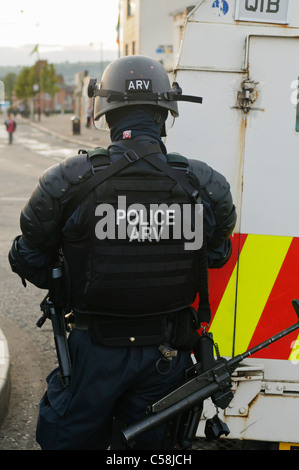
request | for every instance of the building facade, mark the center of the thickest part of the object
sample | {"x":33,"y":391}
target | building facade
{"x":152,"y":28}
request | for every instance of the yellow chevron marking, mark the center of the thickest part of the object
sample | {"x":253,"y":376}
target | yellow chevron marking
{"x":294,"y":356}
{"x":259,"y":264}
{"x":222,"y":325}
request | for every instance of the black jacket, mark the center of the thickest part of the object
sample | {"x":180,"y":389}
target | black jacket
{"x":43,"y":236}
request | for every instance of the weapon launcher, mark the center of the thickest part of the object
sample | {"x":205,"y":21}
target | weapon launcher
{"x":214,"y":382}
{"x":53,"y":308}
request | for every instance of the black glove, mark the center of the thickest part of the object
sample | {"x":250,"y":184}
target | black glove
{"x":37,"y":276}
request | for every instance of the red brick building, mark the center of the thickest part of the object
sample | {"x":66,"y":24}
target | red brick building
{"x":62,"y":101}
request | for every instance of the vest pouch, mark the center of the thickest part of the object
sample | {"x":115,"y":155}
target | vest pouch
{"x":184,"y":329}
{"x":126,"y":332}
{"x":136,"y":280}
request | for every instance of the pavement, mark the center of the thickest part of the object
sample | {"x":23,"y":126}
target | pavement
{"x":62,"y":127}
{"x":4,"y":375}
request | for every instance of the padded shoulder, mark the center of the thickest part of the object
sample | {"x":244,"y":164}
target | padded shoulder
{"x":58,"y":179}
{"x":177,"y":159}
{"x":215,"y":189}
{"x":41,"y":214}
{"x":212,"y":183}
{"x":61,"y":180}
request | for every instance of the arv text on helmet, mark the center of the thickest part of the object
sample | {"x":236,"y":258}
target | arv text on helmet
{"x":139,"y":84}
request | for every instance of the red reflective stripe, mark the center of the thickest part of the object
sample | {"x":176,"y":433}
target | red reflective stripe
{"x":219,"y":278}
{"x":278,"y":313}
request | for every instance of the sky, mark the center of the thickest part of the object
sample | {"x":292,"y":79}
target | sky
{"x":60,"y":27}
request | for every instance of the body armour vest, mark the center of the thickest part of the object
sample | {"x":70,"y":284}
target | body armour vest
{"x":137,"y":253}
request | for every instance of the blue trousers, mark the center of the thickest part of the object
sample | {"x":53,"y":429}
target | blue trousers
{"x":106,"y":383}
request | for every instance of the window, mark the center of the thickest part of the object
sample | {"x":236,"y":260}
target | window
{"x":131,"y":4}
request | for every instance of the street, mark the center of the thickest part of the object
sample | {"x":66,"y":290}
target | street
{"x":32,"y":352}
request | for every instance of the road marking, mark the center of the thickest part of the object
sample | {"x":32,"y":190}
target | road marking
{"x":43,"y":148}
{"x":46,"y":150}
{"x":13,"y":198}
{"x":2,"y":352}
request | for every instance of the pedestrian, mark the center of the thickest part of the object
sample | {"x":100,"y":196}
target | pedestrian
{"x":88,"y":117}
{"x":131,"y":279}
{"x":10,"y":127}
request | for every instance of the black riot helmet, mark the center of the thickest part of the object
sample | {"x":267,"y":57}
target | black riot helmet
{"x":135,"y":80}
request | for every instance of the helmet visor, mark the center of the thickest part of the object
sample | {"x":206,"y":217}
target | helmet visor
{"x":169,"y":123}
{"x":101,"y":123}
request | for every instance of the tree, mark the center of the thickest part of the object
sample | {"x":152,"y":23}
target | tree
{"x":41,"y":74}
{"x":24,"y":85}
{"x":41,"y":77}
{"x":48,"y":80}
{"x":9,"y":82}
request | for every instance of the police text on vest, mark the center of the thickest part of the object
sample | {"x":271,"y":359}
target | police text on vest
{"x":154,"y":222}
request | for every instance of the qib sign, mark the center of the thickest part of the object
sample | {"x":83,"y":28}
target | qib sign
{"x":263,"y":11}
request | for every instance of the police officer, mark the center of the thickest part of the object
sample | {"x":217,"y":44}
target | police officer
{"x":130,"y":291}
